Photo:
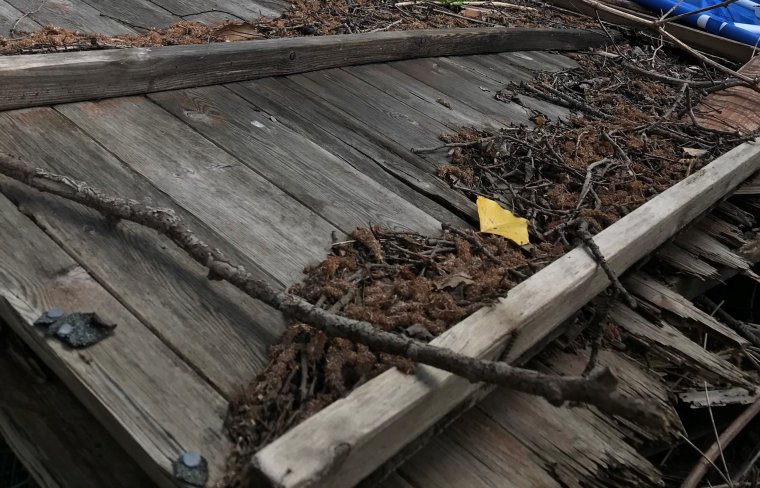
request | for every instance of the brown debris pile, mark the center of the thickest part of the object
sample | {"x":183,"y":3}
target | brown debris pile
{"x":629,"y":139}
{"x":402,"y":282}
{"x":305,"y":18}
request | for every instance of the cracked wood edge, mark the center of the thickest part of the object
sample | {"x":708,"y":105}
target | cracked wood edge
{"x":350,"y":438}
{"x":44,"y":80}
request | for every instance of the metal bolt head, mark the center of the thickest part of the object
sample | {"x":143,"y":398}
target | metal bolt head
{"x":65,"y":329}
{"x":191,"y":459}
{"x":55,"y":313}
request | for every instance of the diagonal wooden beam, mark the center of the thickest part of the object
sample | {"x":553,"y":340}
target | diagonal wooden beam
{"x":45,"y":79}
{"x":346,"y":441}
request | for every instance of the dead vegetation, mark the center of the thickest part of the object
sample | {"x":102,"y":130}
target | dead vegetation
{"x":304,"y":18}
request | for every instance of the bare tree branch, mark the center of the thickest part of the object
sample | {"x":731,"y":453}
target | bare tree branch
{"x":598,"y":389}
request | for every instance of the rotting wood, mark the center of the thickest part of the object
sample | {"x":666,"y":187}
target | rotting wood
{"x":338,"y":448}
{"x":59,"y":442}
{"x":43,"y":80}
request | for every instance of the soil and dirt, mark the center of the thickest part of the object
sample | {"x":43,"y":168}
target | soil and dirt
{"x":630,"y":137}
{"x":304,"y":18}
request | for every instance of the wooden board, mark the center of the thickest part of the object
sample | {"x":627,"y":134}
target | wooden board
{"x":343,"y":136}
{"x":216,"y":11}
{"x":248,"y":212}
{"x":313,"y":176}
{"x":733,"y":109}
{"x":153,"y":403}
{"x":59,"y":442}
{"x":137,"y":14}
{"x":43,"y":80}
{"x":10,"y":15}
{"x":395,"y":408}
{"x":70,"y":14}
{"x":217,"y":329}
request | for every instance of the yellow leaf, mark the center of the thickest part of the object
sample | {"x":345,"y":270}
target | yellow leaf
{"x":499,"y":221}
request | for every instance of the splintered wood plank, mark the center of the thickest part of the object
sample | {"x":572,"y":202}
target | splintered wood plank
{"x":395,"y":408}
{"x":364,"y":130}
{"x":139,"y":14}
{"x":635,"y":381}
{"x":10,"y":15}
{"x":579,"y":448}
{"x":421,"y":97}
{"x":686,"y":262}
{"x":725,"y":232}
{"x":475,"y":451}
{"x":300,"y":167}
{"x":661,"y":296}
{"x":150,"y":400}
{"x":216,"y":328}
{"x":465,"y":86}
{"x":71,"y":14}
{"x":69,"y":77}
{"x":701,"y":244}
{"x":246,"y":210}
{"x":673,"y":346}
{"x":344,"y":136}
{"x":58,"y":441}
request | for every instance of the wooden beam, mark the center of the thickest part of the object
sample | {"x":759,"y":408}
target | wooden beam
{"x":44,"y":80}
{"x":696,"y":38}
{"x":349,"y":439}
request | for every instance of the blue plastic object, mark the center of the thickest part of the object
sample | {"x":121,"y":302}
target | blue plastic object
{"x":739,"y":21}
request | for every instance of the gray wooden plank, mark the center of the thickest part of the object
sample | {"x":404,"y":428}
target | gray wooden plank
{"x":496,"y":458}
{"x":45,"y":80}
{"x":70,"y":14}
{"x":456,"y":82}
{"x":421,"y":97}
{"x":316,"y":114}
{"x":217,"y":329}
{"x":338,"y":133}
{"x":10,"y":16}
{"x":539,"y":61}
{"x":147,"y":397}
{"x":59,"y":442}
{"x":245,"y":209}
{"x":313,"y":176}
{"x":212,"y":11}
{"x":140,"y":14}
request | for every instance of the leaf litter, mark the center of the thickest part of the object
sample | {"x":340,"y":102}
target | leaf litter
{"x":629,"y":138}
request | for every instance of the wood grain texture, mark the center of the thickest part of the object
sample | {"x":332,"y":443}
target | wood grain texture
{"x":137,"y":14}
{"x":215,"y":11}
{"x":70,"y":14}
{"x":396,"y":407}
{"x":149,"y":400}
{"x":59,"y":442}
{"x":217,"y":329}
{"x":9,"y":15}
{"x":300,"y":167}
{"x":44,"y":80}
{"x":343,"y":136}
{"x":246,"y":210}
{"x":670,"y":344}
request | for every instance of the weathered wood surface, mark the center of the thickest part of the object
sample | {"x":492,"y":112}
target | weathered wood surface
{"x":669,"y":343}
{"x":245,"y":209}
{"x":300,"y":167}
{"x":215,"y":328}
{"x":732,"y":109}
{"x":345,"y":137}
{"x":43,"y":80}
{"x":59,"y":442}
{"x":11,"y":17}
{"x":153,"y":403}
{"x":70,"y":14}
{"x":396,"y":407}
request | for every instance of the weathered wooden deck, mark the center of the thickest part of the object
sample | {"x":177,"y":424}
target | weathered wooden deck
{"x":271,"y":171}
